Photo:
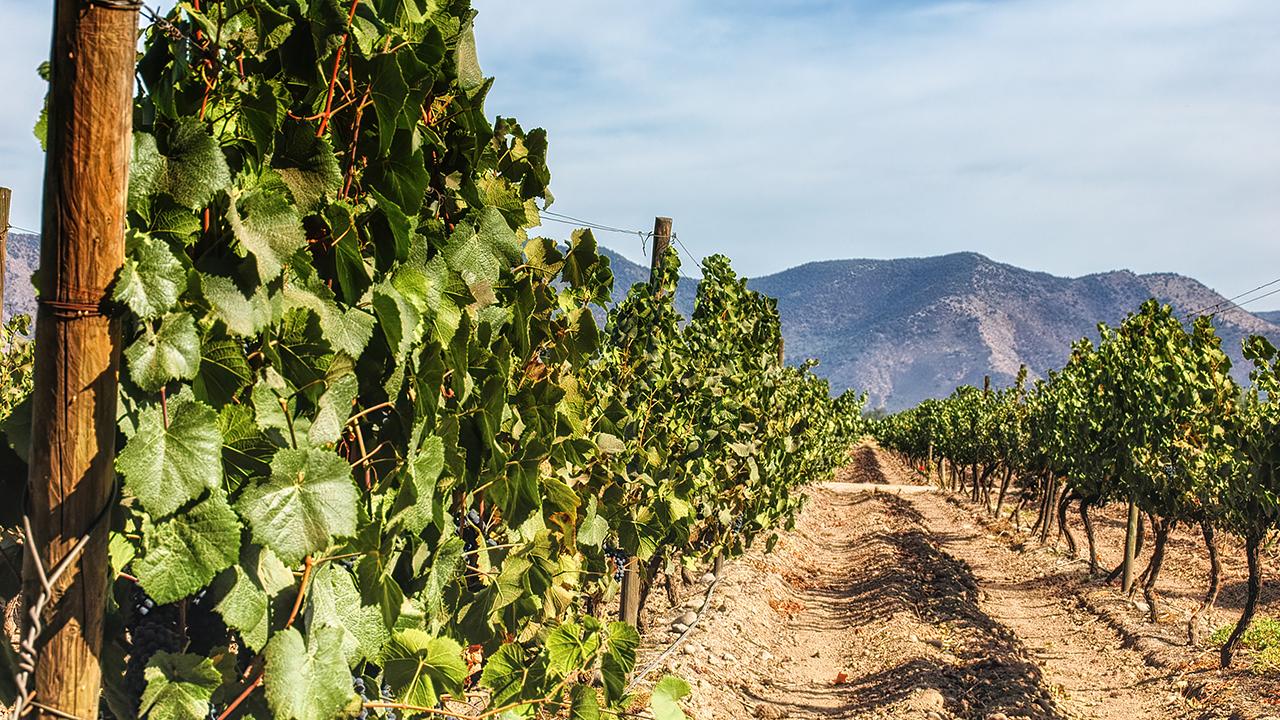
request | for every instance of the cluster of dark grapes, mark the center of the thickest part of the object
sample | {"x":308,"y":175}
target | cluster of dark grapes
{"x":471,"y":528}
{"x":738,"y":523}
{"x":152,"y":628}
{"x":358,"y":684}
{"x":205,"y":629}
{"x":619,"y":558}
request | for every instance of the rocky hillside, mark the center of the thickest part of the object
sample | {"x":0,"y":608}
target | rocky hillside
{"x":907,"y":329}
{"x":23,"y":256}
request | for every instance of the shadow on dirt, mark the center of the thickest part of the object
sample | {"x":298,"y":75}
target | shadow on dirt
{"x":984,"y":668}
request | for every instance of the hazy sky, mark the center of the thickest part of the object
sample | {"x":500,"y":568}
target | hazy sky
{"x":1071,"y":136}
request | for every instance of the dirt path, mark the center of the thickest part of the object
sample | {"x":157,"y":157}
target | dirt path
{"x":890,"y":602}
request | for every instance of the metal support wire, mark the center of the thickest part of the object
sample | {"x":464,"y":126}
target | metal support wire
{"x":27,"y":652}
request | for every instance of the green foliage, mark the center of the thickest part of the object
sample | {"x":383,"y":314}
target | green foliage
{"x":1150,"y":414}
{"x":666,"y":696}
{"x":1263,"y":634}
{"x":369,"y":427}
{"x":16,"y":354}
{"x":179,"y":687}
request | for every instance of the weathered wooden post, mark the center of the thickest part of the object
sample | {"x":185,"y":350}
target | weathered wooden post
{"x":6,"y":195}
{"x":629,"y":605}
{"x":73,"y":429}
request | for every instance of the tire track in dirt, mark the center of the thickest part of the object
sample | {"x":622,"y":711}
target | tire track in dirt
{"x":1082,"y":660}
{"x":865,"y":611}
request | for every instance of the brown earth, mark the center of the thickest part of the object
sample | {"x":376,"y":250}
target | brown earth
{"x":890,"y":602}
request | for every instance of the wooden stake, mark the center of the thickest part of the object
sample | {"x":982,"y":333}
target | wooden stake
{"x":5,"y":196}
{"x":629,"y":603}
{"x":1130,"y":548}
{"x":629,"y":606}
{"x":73,"y":429}
{"x":661,"y":241}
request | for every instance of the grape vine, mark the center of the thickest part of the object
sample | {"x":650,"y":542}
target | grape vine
{"x":1148,"y":415}
{"x":371,"y":434}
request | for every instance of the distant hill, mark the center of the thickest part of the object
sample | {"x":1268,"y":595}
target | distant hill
{"x":907,"y":329}
{"x":22,"y":258}
{"x":1271,"y":316}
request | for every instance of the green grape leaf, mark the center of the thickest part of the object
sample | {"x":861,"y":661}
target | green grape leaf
{"x":261,"y":112}
{"x":472,"y":258}
{"x":621,"y":641}
{"x":333,"y":411}
{"x":224,"y":371}
{"x":168,"y":467}
{"x":266,"y":224}
{"x":186,"y":551}
{"x":506,"y":673}
{"x":470,"y":76}
{"x":307,"y":166}
{"x":41,"y":128}
{"x":413,"y":506}
{"x":511,"y":583}
{"x":246,"y":451}
{"x":245,"y":592}
{"x":444,"y":568}
{"x":179,"y":687}
{"x":150,"y":279}
{"x":496,"y":235}
{"x":350,"y":266}
{"x":398,"y":318}
{"x":568,"y":649}
{"x":389,"y":93}
{"x":309,"y":500}
{"x":307,"y":679}
{"x":159,"y":357}
{"x":402,"y":177}
{"x":583,"y":703}
{"x":191,"y":172}
{"x":665,"y":701}
{"x":243,"y":316}
{"x":401,"y":225}
{"x":346,"y":331}
{"x":420,"y":668}
{"x":334,"y":600}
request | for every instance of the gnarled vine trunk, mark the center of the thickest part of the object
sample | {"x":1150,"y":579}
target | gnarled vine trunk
{"x":1215,"y":575}
{"x":1162,"y":529}
{"x":1063,"y":530}
{"x":1085,"y":504}
{"x":1252,"y":544}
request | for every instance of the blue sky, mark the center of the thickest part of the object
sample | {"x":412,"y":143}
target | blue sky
{"x":1070,"y":136}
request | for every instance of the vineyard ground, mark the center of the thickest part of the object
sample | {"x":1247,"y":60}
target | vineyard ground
{"x":894,"y":602}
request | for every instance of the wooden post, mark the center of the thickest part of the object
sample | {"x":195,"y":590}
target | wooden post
{"x":629,"y":604}
{"x":661,"y":241}
{"x":5,"y":196}
{"x":1130,"y":548}
{"x":73,"y":428}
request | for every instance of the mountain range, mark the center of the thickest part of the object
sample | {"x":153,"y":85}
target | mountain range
{"x":911,"y":328}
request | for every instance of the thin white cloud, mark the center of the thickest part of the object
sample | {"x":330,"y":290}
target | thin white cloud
{"x":1067,"y":135}
{"x":28,"y":29}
